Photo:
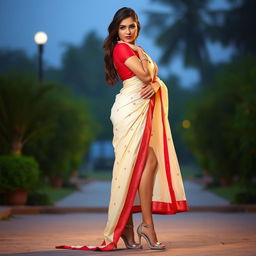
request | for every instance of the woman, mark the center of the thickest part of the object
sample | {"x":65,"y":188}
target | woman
{"x":146,"y":175}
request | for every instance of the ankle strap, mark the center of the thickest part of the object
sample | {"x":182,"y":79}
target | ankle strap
{"x":146,"y":225}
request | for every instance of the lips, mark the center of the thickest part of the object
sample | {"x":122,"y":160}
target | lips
{"x":128,"y":37}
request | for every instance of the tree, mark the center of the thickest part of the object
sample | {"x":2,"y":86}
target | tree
{"x":16,"y":61}
{"x":222,"y":134}
{"x":233,"y":26}
{"x":24,"y":111}
{"x":185,"y":33}
{"x":178,"y":98}
{"x":83,"y":71}
{"x":63,"y":149}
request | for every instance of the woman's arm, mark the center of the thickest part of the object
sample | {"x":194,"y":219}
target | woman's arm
{"x":140,"y":66}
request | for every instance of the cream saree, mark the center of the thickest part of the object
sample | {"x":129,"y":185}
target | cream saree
{"x":137,"y":125}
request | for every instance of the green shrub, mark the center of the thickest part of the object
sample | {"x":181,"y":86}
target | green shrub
{"x":69,"y":139}
{"x":223,"y":119}
{"x":18,"y":172}
{"x":245,"y":197}
{"x":39,"y":198}
{"x":25,"y":110}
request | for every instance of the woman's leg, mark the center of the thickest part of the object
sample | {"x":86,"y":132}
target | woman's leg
{"x":130,"y":220}
{"x":146,"y":187}
{"x":146,"y":193}
{"x":128,"y":230}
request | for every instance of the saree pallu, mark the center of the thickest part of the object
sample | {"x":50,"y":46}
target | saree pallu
{"x":137,"y":125}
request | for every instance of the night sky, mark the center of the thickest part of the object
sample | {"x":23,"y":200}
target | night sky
{"x":67,"y":22}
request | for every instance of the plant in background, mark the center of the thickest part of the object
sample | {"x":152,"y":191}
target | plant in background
{"x":24,"y":111}
{"x":62,"y":150}
{"x":18,"y":174}
{"x":222,"y":135}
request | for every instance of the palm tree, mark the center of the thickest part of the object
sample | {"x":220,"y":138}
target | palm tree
{"x":24,"y":111}
{"x":233,"y":26}
{"x":185,"y":34}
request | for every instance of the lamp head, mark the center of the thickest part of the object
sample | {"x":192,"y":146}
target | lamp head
{"x":40,"y":38}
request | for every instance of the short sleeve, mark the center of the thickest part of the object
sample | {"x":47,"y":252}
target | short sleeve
{"x":122,"y":52}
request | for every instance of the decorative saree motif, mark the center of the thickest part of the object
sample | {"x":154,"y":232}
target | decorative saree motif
{"x":137,"y":125}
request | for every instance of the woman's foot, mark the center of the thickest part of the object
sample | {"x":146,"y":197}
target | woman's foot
{"x":148,"y":232}
{"x":128,"y":238}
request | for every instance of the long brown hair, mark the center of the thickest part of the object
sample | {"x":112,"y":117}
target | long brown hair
{"x":111,"y":40}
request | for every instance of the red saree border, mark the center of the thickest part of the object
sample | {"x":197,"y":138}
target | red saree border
{"x":137,"y":172}
{"x":108,"y":247}
{"x":164,"y":208}
{"x":166,"y":157}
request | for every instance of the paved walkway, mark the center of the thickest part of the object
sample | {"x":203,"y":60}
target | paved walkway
{"x":96,"y":194}
{"x":185,"y":234}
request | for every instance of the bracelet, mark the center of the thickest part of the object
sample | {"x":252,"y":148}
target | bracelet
{"x":144,"y":58}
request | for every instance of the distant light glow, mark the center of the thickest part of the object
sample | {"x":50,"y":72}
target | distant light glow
{"x":40,"y":37}
{"x":186,"y":124}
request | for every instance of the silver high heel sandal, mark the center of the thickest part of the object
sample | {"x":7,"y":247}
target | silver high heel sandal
{"x":130,"y":246}
{"x":156,"y":246}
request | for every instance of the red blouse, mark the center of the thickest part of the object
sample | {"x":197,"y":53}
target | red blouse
{"x":121,"y":53}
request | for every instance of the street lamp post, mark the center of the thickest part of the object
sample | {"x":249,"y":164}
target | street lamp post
{"x":40,"y":39}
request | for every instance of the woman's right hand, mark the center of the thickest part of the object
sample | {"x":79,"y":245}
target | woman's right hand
{"x":132,"y":46}
{"x":147,"y":91}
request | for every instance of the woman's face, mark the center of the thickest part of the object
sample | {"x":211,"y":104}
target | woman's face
{"x":128,"y":30}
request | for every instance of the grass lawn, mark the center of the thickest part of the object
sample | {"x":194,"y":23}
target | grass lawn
{"x":56,"y":194}
{"x":228,"y":192}
{"x":190,"y":171}
{"x":98,"y":175}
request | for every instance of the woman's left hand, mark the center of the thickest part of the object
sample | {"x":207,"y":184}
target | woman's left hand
{"x":147,"y":91}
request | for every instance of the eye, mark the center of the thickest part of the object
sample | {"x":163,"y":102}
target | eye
{"x":122,"y":27}
{"x":132,"y":26}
